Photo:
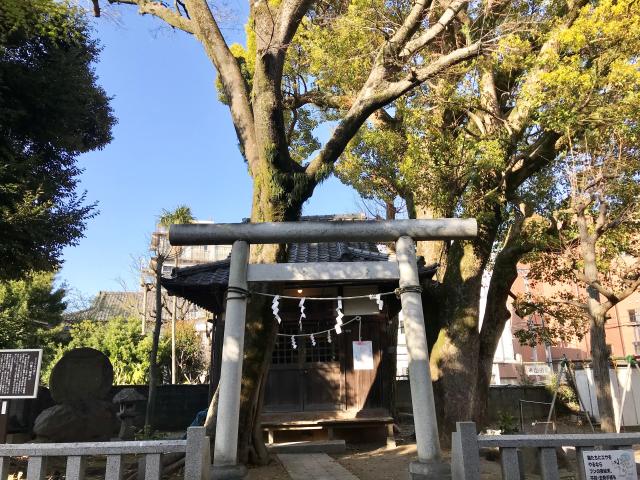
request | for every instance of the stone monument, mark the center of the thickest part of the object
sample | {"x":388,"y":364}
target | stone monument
{"x":79,"y":384}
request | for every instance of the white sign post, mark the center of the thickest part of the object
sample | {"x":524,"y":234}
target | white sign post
{"x":362,"y":355}
{"x":609,"y":465}
{"x":537,"y":370}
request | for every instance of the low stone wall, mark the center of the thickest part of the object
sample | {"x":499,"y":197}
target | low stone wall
{"x":502,"y":398}
{"x":178,"y":405}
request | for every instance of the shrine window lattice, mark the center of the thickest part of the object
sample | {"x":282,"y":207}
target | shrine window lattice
{"x":323,"y":351}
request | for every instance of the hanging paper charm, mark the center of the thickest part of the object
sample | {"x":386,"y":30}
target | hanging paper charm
{"x":313,"y":340}
{"x":293,"y":342}
{"x":302,"y":314}
{"x":275,"y":307}
{"x":329,"y":336}
{"x":378,"y":298}
{"x":339,"y":316}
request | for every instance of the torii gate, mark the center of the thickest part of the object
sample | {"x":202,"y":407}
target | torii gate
{"x":404,"y":233}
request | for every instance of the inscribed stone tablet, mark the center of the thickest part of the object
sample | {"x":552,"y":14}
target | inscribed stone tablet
{"x":19,"y":373}
{"x":81,"y":375}
{"x":609,"y":465}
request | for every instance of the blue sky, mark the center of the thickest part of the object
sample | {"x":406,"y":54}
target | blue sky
{"x":174,"y":144}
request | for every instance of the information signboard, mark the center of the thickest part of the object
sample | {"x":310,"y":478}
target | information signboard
{"x":19,"y":373}
{"x":362,"y":355}
{"x":609,"y":465}
{"x":537,"y":370}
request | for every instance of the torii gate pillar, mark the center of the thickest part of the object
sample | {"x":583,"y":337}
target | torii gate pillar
{"x":429,"y":464}
{"x":226,"y":443}
{"x":404,"y":232}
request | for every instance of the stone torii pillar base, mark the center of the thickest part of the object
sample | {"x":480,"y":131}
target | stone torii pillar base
{"x":228,"y":472}
{"x":430,"y":470}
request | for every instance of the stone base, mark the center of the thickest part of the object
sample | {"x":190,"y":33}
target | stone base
{"x":228,"y":472}
{"x":437,"y":470}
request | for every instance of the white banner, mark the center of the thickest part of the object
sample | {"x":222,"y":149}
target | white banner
{"x":363,"y":355}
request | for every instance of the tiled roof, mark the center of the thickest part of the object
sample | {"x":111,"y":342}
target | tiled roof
{"x":108,"y":305}
{"x":217,"y":273}
{"x":334,"y":252}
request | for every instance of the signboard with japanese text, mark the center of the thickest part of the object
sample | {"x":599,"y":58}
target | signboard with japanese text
{"x":19,"y":373}
{"x":537,"y":370}
{"x":609,"y":465}
{"x":362,"y":355}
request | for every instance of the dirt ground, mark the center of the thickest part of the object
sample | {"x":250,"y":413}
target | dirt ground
{"x":370,"y":463}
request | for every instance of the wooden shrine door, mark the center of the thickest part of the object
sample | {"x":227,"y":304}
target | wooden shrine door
{"x":364,"y":387}
{"x":322,"y":368}
{"x":307,"y":378}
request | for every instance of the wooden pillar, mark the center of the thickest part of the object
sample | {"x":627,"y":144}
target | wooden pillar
{"x":173,"y":341}
{"x":226,"y":443}
{"x":217,"y":339}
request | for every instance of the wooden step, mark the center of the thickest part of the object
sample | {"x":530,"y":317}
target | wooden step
{"x":322,"y":446}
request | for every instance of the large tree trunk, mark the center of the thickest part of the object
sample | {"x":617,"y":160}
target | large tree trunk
{"x":432,"y":251}
{"x":154,"y":370}
{"x":597,"y":312}
{"x":496,"y":313}
{"x":601,"y":378}
{"x":456,"y":353}
{"x":454,"y":356}
{"x":275,"y":199}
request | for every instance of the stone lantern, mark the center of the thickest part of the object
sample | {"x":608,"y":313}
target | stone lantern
{"x":129,"y":403}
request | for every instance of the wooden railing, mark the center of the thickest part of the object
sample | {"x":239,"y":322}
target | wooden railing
{"x":465,"y":455}
{"x":195,"y":448}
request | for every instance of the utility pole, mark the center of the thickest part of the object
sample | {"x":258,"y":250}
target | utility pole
{"x":173,"y":340}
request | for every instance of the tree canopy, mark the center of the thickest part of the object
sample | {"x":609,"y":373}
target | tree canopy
{"x":51,"y":110}
{"x":493,"y":140}
{"x":128,"y":349}
{"x":30,"y":313}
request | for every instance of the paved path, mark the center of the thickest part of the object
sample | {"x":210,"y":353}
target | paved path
{"x":314,"y":466}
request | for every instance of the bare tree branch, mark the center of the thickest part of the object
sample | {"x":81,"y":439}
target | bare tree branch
{"x":539,"y":154}
{"x":411,"y":23}
{"x":157,"y":9}
{"x":289,"y":17}
{"x":427,"y":37}
{"x":371,"y":98}
{"x":235,"y":86}
{"x":605,"y":292}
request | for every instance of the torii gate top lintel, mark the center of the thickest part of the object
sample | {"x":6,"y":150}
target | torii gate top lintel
{"x":333,"y":231}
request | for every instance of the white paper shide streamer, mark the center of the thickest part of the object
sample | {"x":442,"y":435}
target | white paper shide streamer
{"x":275,"y":307}
{"x":302,"y":314}
{"x":339,"y":316}
{"x":313,"y":340}
{"x":329,"y":336}
{"x":378,"y":299}
{"x":293,"y":342}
